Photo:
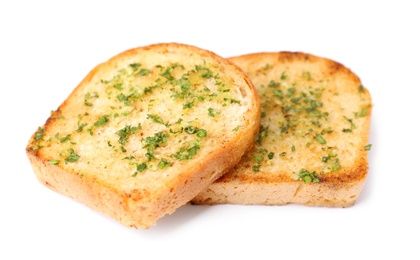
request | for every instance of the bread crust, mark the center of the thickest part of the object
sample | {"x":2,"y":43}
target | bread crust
{"x":101,"y":178}
{"x":343,"y":97}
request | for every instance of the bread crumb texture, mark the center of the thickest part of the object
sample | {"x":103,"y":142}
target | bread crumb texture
{"x":146,"y":131}
{"x":313,"y":139}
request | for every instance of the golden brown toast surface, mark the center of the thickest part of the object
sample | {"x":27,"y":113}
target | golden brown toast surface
{"x":147,"y":130}
{"x":313,"y":139}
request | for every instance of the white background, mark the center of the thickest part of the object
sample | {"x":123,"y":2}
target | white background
{"x":46,"y":48}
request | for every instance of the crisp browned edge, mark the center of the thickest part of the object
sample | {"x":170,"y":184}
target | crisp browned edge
{"x":134,"y":209}
{"x":335,"y":190}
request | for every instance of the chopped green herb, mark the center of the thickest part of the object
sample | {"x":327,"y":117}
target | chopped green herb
{"x":185,"y":86}
{"x":65,"y":139}
{"x":328,"y":131}
{"x":80,"y":128}
{"x":273,"y":84}
{"x":129,"y":158}
{"x":336,"y":165}
{"x":283,"y":75}
{"x":232,"y":100}
{"x":195,"y":130}
{"x":206,"y":71}
{"x":186,"y":153}
{"x":286,"y":127}
{"x":53,"y":162}
{"x":212,"y":112}
{"x":313,"y":105}
{"x":191,"y":129}
{"x":320,"y":139}
{"x":278,"y":92}
{"x":91,"y":95}
{"x":361,"y":89}
{"x":143,"y":72}
{"x":293,"y":148}
{"x":39,"y":134}
{"x":118,"y":86}
{"x":258,"y":158}
{"x":177,"y":65}
{"x":367,"y":147}
{"x":290,"y":92}
{"x":141,"y":167}
{"x":352,"y":125}
{"x":307,"y":75}
{"x":155,"y":118}
{"x":102,"y":121}
{"x":201,"y":133}
{"x":307,"y":176}
{"x":125,"y":132}
{"x":271,"y":155}
{"x":263,"y":114}
{"x":135,"y":66}
{"x":167,"y":74}
{"x":105,"y":81}
{"x":362,"y":113}
{"x":126,"y":98}
{"x":256,"y":168}
{"x":72,"y":157}
{"x":150,"y":154}
{"x":333,"y":153}
{"x":317,"y":123}
{"x":122,"y":97}
{"x":126,"y":113}
{"x":155,"y":141}
{"x":193,"y":150}
{"x":207,"y":75}
{"x":163,"y":163}
{"x":188,"y":105}
{"x":262,"y":134}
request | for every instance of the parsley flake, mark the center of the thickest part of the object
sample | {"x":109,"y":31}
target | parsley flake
{"x":367,"y":147}
{"x":72,"y":157}
{"x":320,"y":139}
{"x":307,"y":176}
{"x":155,"y":118}
{"x":102,"y":121}
{"x":53,"y":162}
{"x":39,"y":134}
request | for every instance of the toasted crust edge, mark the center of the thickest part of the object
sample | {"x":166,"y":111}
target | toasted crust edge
{"x":278,"y":194}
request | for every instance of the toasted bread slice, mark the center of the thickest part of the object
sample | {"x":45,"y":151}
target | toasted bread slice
{"x":313,"y":140}
{"x":146,"y":131}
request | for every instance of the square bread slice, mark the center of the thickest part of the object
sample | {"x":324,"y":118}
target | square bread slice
{"x":313,"y":140}
{"x":146,"y":131}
